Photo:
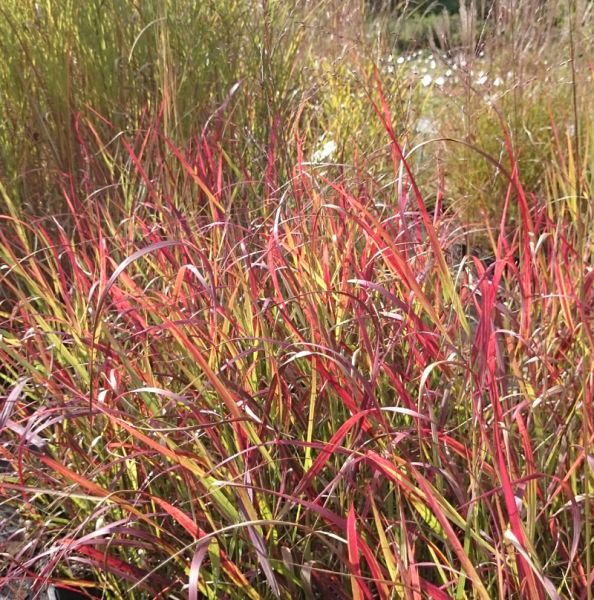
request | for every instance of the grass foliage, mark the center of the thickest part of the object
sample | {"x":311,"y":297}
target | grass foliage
{"x":254,"y":343}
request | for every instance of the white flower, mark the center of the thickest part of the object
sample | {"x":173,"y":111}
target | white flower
{"x":482,"y":78}
{"x":439,"y":81}
{"x":426,"y":81}
{"x":325,"y":152}
{"x":400,"y":60}
{"x":497,"y":81}
{"x":425,"y":126}
{"x":432,"y":64}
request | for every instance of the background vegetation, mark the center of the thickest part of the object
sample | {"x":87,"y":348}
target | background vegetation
{"x":289,"y":308}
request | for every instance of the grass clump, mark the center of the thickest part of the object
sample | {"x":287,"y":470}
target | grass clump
{"x":239,"y":361}
{"x":62,"y":61}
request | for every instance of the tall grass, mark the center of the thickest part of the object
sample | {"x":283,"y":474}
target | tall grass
{"x":275,"y":375}
{"x":519,"y":65}
{"x":189,"y":60}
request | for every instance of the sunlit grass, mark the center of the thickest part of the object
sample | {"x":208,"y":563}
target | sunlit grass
{"x":257,"y":353}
